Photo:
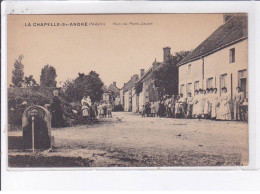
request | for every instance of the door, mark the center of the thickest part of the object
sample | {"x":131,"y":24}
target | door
{"x":243,"y":85}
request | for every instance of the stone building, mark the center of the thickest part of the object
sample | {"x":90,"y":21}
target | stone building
{"x":219,"y":61}
{"x":111,"y":93}
{"x":126,"y":93}
{"x":149,"y":92}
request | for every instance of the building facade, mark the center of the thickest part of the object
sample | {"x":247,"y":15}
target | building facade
{"x":219,"y":61}
{"x":111,"y":94}
{"x":149,"y":91}
{"x":126,"y":93}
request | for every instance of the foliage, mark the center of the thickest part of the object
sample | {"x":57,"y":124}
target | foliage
{"x":48,"y":76}
{"x":21,"y":98}
{"x":166,"y":77}
{"x":138,"y":87}
{"x":83,"y":85}
{"x":30,"y":81}
{"x":18,"y":72}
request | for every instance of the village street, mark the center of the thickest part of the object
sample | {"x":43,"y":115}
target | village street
{"x":129,"y":140}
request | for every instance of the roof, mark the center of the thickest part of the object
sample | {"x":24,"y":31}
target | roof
{"x":130,"y":83}
{"x":145,"y":74}
{"x":150,"y":70}
{"x":233,"y":31}
{"x":113,"y":88}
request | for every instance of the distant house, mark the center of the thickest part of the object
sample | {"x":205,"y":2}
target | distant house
{"x":149,"y":92}
{"x":111,"y":93}
{"x":219,"y":61}
{"x":126,"y":93}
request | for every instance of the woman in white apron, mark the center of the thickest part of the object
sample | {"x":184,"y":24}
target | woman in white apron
{"x":214,"y":103}
{"x":224,"y":112}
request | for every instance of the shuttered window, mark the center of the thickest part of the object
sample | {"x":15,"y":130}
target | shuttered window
{"x":232,"y":55}
{"x":209,"y":82}
{"x":196,"y":85}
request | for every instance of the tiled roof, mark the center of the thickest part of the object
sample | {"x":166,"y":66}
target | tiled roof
{"x":234,"y":30}
{"x":145,"y":74}
{"x":130,"y":83}
{"x":113,"y":88}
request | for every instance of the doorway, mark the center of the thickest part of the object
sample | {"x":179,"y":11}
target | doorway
{"x":243,"y":85}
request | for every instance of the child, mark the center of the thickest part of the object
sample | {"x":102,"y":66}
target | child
{"x":244,"y":110}
{"x":153,"y":111}
{"x":85,"y":108}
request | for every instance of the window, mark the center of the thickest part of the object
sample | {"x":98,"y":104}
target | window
{"x":232,"y":55}
{"x":209,"y":83}
{"x":196,"y":85}
{"x":189,"y":69}
{"x":223,"y":81}
{"x":242,"y":81}
{"x":182,"y":89}
{"x":189,"y":88}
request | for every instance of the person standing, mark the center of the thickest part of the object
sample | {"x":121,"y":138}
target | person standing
{"x":85,"y":110}
{"x":56,"y":110}
{"x":153,"y":109}
{"x":104,"y":106}
{"x":83,"y":100}
{"x":224,"y":112}
{"x":238,"y":101}
{"x":180,"y":108}
{"x":89,"y":101}
{"x":207,"y":104}
{"x":173,"y":106}
{"x":214,"y":103}
{"x":100,"y":110}
{"x":195,"y":104}
{"x":109,"y":110}
{"x":189,"y":105}
{"x":161,"y":111}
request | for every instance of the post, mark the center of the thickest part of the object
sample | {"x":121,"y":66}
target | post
{"x":33,"y":134}
{"x":203,"y":73}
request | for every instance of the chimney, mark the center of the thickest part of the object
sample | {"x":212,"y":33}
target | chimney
{"x":166,"y":53}
{"x":141,"y":72}
{"x":114,"y":83}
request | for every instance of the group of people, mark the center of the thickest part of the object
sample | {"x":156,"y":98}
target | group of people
{"x":98,"y":109}
{"x":89,"y":110}
{"x":205,"y":104}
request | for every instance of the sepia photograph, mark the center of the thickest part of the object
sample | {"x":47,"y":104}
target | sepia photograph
{"x":127,"y":90}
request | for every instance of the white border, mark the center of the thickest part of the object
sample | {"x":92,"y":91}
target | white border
{"x":120,"y":178}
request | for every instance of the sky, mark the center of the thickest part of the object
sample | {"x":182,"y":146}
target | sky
{"x":114,"y":50}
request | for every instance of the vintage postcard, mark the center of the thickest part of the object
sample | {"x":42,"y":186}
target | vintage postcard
{"x":128,"y":90}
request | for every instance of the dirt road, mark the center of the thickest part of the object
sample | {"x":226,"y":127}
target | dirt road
{"x":132,"y":141}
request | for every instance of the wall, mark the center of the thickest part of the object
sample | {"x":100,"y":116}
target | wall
{"x":128,"y":101}
{"x":122,"y":97}
{"x":135,"y":101}
{"x":215,"y":65}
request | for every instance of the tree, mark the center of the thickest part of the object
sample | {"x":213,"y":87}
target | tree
{"x":18,"y":73}
{"x":138,"y":87}
{"x":84,"y":85}
{"x":48,"y":76}
{"x":166,"y":77}
{"x":30,"y":81}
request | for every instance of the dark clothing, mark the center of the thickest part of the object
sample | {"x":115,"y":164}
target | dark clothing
{"x":57,"y":112}
{"x":105,"y":111}
{"x":162,"y":110}
{"x":148,"y":109}
{"x":41,"y":136}
{"x":92,"y":112}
